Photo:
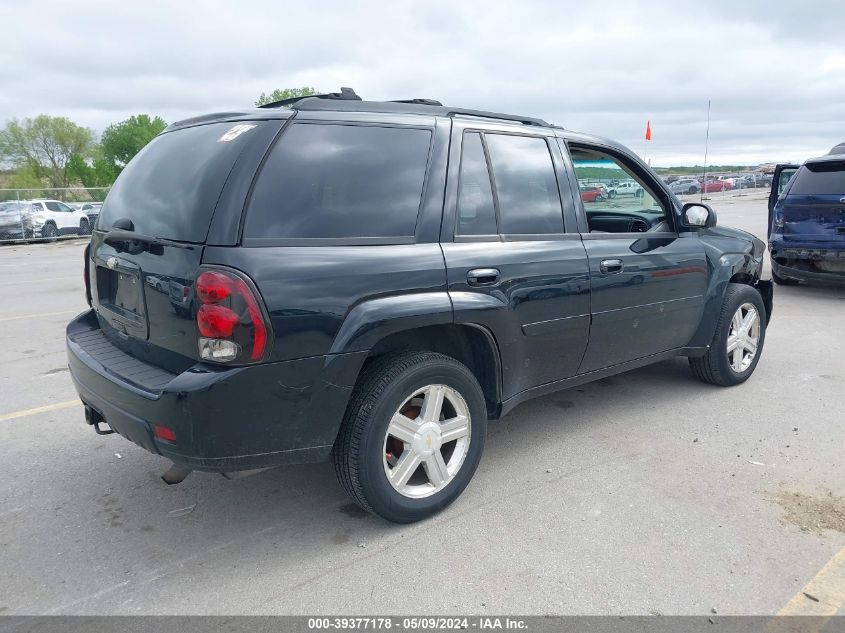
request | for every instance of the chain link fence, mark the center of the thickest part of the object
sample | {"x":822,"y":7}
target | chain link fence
{"x":48,"y":215}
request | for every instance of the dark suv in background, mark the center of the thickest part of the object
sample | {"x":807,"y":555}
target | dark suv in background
{"x":807,"y":220}
{"x":372,"y":281}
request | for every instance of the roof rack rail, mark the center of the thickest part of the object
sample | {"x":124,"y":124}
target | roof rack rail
{"x":431,"y":102}
{"x":346,"y":94}
{"x":483,"y":114}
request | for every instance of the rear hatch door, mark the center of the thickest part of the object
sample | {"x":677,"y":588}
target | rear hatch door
{"x":814,"y":206}
{"x":150,"y":235}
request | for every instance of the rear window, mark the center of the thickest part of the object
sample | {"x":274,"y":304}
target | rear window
{"x":340,"y":181}
{"x":171,"y":187}
{"x":820,"y":179}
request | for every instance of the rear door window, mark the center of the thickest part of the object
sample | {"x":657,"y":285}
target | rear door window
{"x":476,"y":210}
{"x":340,"y":181}
{"x":526,"y":187}
{"x":171,"y":187}
{"x":820,"y":179}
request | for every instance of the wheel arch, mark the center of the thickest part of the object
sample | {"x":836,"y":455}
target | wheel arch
{"x":470,"y":344}
{"x":728,"y":268}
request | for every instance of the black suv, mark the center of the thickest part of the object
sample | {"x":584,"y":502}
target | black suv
{"x":372,"y":282}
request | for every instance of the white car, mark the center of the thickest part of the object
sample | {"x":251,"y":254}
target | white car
{"x":685,"y":185}
{"x":51,"y":218}
{"x":629,"y":188}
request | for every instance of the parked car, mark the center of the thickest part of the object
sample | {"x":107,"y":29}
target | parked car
{"x":807,"y":220}
{"x":51,"y":218}
{"x":92,"y":210}
{"x":592,"y":194}
{"x":629,"y":188}
{"x":709,"y":186}
{"x":15,"y":220}
{"x":371,"y":282}
{"x":685,"y":185}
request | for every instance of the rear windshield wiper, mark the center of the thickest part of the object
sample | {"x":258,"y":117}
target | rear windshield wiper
{"x":134,"y":243}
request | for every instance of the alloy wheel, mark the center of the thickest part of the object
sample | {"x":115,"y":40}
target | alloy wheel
{"x":743,"y":337}
{"x":426,"y":441}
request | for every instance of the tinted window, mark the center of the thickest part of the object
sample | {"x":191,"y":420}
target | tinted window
{"x":171,"y":187}
{"x":53,"y":206}
{"x":324,"y":181}
{"x":477,"y":215}
{"x":529,"y":202}
{"x":825,"y":179}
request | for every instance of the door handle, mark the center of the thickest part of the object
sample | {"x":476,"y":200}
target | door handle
{"x":611,"y":266}
{"x":483,"y":276}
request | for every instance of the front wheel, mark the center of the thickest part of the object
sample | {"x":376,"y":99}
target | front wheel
{"x":612,"y":194}
{"x":49,"y":232}
{"x":738,"y":340}
{"x":412,"y":436}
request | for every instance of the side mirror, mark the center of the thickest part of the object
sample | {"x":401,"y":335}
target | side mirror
{"x":696,"y":215}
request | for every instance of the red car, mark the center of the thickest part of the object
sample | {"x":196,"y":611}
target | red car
{"x":591,"y":194}
{"x":715,"y":185}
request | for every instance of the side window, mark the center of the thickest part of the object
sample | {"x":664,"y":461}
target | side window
{"x":526,"y":187}
{"x":340,"y":181}
{"x":476,"y":211}
{"x":64,"y":208}
{"x":52,"y":206}
{"x":615,"y":198}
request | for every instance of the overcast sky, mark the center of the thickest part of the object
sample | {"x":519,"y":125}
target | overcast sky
{"x":775,"y":74}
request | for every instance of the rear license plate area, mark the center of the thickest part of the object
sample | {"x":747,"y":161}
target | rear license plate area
{"x":121,"y":300}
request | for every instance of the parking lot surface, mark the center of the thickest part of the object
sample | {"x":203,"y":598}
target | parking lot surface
{"x":648,"y":492}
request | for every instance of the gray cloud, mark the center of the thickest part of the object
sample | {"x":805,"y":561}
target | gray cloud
{"x":775,"y":75}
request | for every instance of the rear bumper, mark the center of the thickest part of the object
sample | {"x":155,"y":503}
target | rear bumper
{"x":805,"y":262}
{"x":225,"y":419}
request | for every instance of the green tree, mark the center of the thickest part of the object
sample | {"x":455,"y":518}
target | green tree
{"x":121,"y":141}
{"x":41,"y":148}
{"x":93,"y":174}
{"x":284,"y":93}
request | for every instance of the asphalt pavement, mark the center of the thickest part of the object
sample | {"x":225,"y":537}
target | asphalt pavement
{"x":643,"y":493}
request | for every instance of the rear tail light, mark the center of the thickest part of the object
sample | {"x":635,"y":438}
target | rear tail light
{"x":230,"y":319}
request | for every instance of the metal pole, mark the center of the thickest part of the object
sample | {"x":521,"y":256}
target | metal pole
{"x":20,"y":215}
{"x":706,"y":143}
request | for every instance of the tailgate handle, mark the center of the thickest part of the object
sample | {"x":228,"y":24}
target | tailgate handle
{"x":611,"y":266}
{"x":483,"y":276}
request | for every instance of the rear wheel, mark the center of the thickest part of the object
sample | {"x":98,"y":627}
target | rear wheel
{"x":412,"y":436}
{"x":691,"y":190}
{"x":737,"y":341}
{"x":84,"y":227}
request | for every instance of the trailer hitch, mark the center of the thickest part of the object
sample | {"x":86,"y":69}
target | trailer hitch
{"x":93,"y":417}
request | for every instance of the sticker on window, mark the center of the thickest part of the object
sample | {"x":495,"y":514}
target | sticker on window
{"x":235,"y":132}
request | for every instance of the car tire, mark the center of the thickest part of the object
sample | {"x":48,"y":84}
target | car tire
{"x":721,"y":365}
{"x":49,"y":231}
{"x":611,"y":194}
{"x":84,"y":227}
{"x":366,"y":454}
{"x":691,"y":191}
{"x":600,"y":198}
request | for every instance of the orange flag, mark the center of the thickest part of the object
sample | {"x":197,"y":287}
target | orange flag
{"x":648,"y":130}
